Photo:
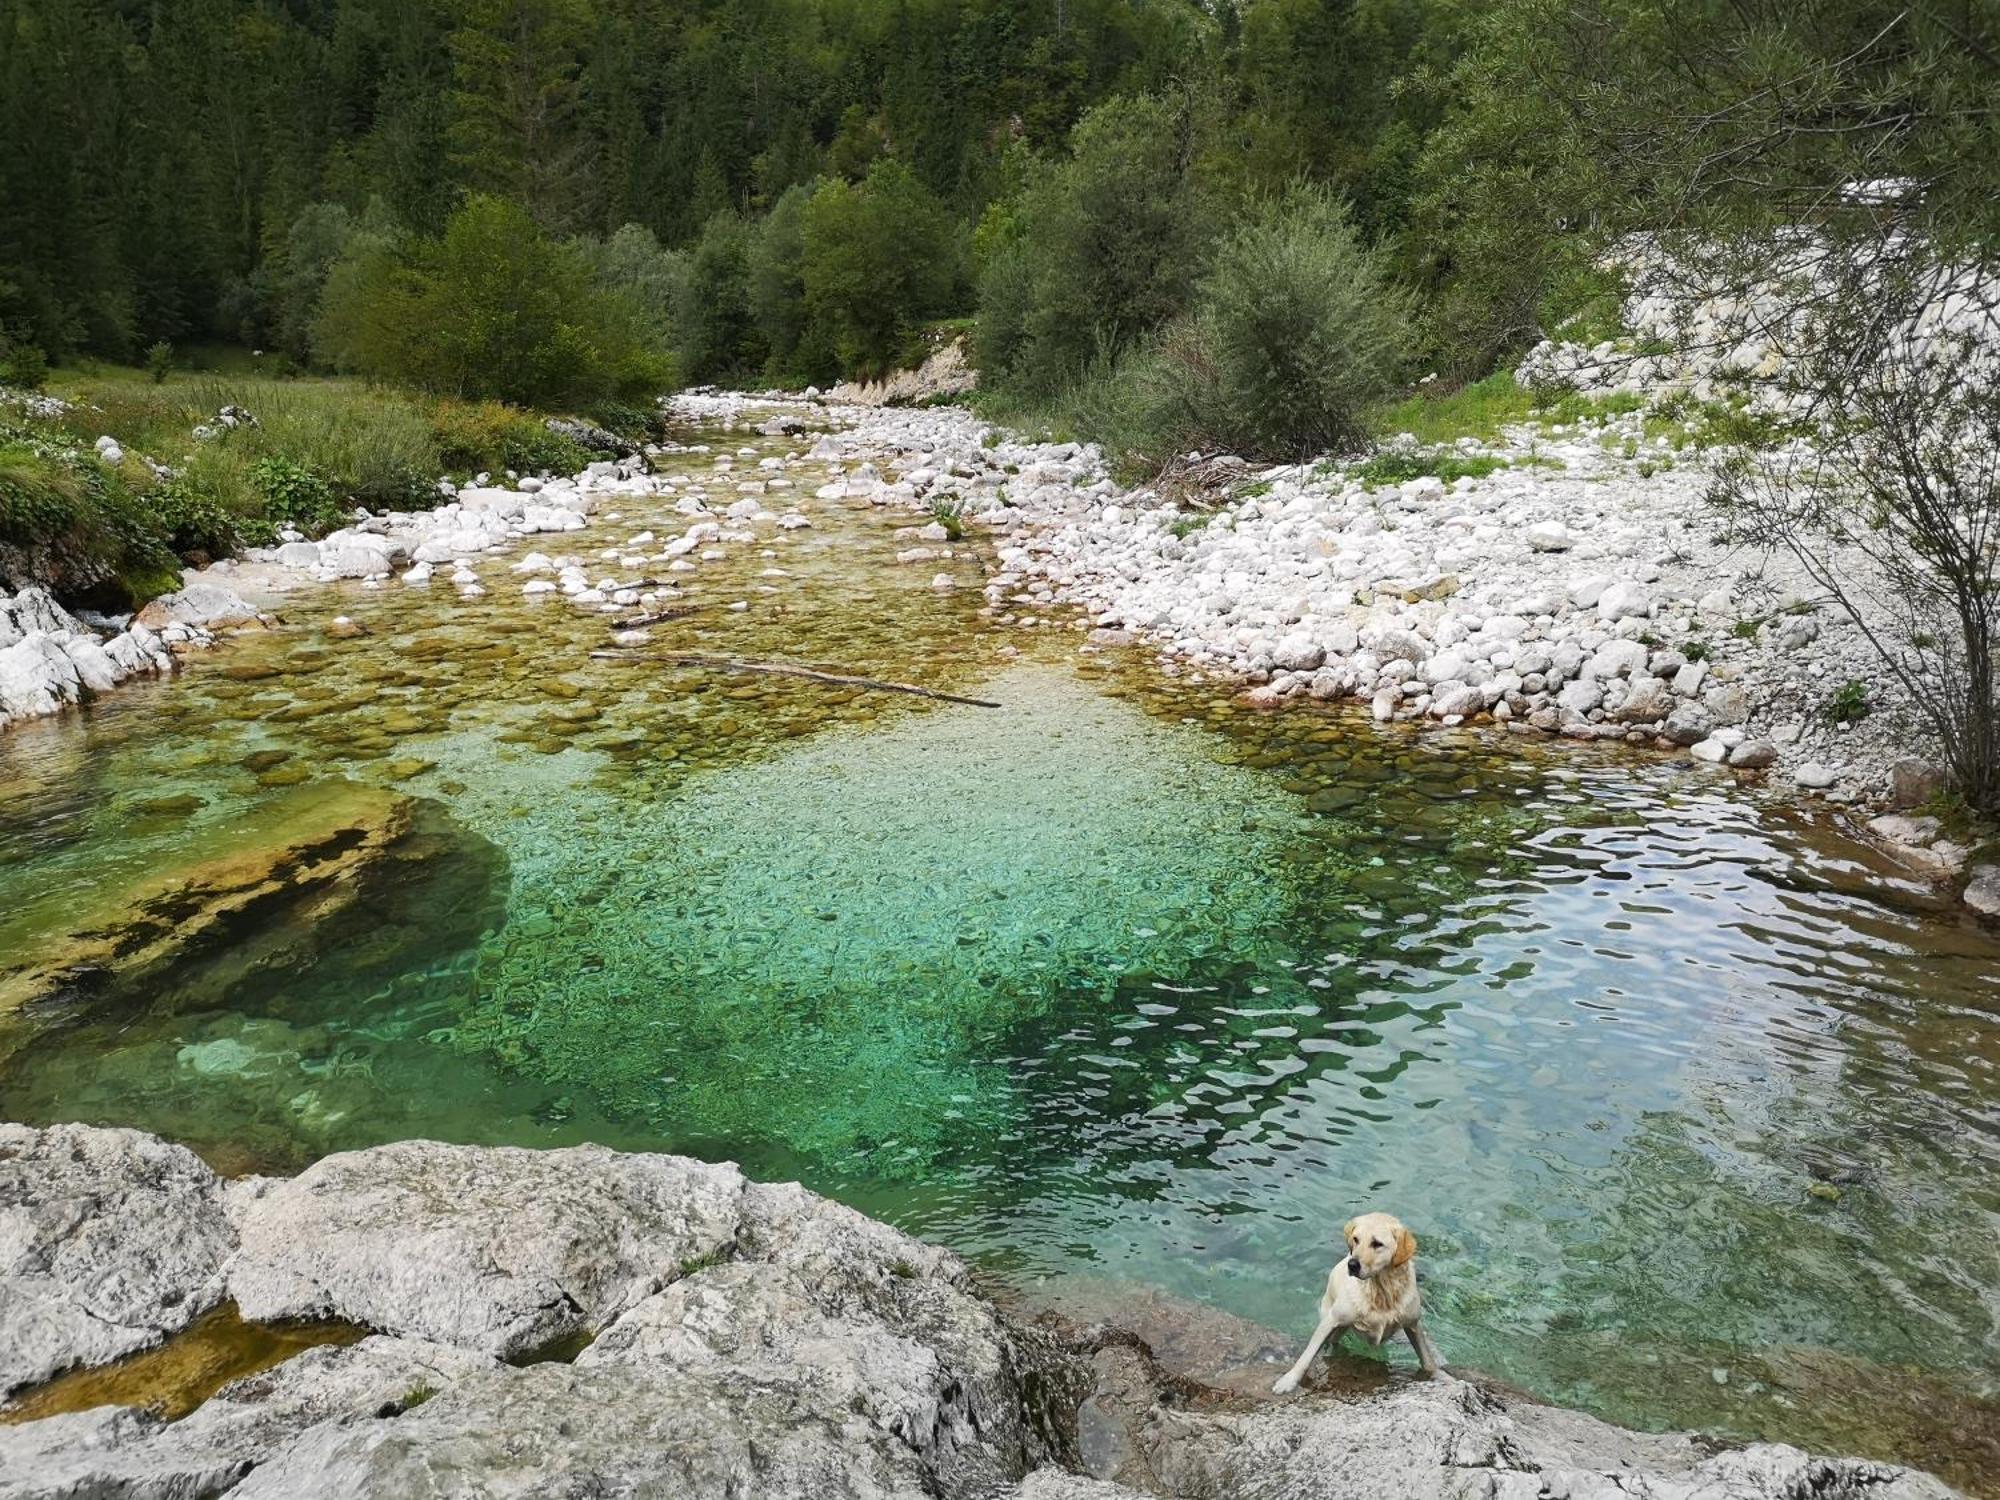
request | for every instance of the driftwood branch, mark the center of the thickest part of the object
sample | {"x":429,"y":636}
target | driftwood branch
{"x":786,"y":669}
{"x":659,"y":617}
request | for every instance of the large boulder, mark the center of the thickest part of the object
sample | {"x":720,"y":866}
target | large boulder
{"x":204,"y":606}
{"x":500,"y":1250}
{"x":109,"y":1241}
{"x":30,"y":612}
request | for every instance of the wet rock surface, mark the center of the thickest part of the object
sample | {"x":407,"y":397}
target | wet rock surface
{"x":304,"y":846}
{"x":749,"y":1340}
{"x":109,"y":1241}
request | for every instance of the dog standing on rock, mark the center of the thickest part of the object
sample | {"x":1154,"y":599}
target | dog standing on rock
{"x":1374,"y":1292}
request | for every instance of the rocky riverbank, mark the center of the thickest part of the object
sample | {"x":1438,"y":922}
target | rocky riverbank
{"x":1569,"y":585}
{"x":581,"y":1322}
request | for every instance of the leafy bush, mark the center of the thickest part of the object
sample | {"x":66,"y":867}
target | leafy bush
{"x":949,"y":512}
{"x":1295,"y":331}
{"x":22,"y":364}
{"x":295,"y":496}
{"x":1848,"y":703}
{"x":1094,"y":254}
{"x":195,"y":519}
{"x":476,"y":436}
{"x":160,"y":362}
{"x":493,"y":309}
{"x":1297,"y":328}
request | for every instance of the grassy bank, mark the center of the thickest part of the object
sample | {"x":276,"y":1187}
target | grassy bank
{"x":189,"y":485}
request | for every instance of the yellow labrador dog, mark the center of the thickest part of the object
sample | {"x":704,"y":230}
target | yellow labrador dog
{"x":1374,"y":1292}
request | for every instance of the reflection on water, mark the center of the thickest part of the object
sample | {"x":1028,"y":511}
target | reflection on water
{"x":1694,"y":1114}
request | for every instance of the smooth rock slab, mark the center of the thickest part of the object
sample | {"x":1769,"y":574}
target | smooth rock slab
{"x":500,"y":1250}
{"x":109,"y":1241}
{"x":556,"y":1432}
{"x":132,"y":1455}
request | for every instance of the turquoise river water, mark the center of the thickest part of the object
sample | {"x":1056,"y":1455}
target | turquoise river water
{"x":1694,"y":1106}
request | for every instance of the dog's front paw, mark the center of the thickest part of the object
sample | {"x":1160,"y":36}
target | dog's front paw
{"x":1285,"y":1384}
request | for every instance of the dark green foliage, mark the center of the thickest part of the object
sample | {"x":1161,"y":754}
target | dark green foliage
{"x":1296,"y":328}
{"x":877,"y":259}
{"x":194,"y":518}
{"x":716,"y":336}
{"x":160,"y":361}
{"x":775,"y":269}
{"x":492,"y":309}
{"x":1292,"y":333}
{"x":1096,"y":251}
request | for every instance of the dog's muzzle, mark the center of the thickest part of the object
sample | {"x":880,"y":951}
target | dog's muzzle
{"x":1354,"y":1268}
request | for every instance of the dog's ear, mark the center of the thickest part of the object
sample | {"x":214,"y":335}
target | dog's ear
{"x":1406,"y":1248}
{"x":1347,"y":1230}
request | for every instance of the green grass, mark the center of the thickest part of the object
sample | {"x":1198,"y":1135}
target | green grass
{"x":1482,"y":409}
{"x":319,"y":447}
{"x":1478,"y":410}
{"x":1397,"y":465}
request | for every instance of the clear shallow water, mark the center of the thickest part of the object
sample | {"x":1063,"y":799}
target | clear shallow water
{"x":1119,"y":982}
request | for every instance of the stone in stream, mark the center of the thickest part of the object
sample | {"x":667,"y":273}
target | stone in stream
{"x":305,"y":845}
{"x":750,"y":1340}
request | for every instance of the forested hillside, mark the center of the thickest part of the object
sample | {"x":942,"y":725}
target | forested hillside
{"x":187,"y":169}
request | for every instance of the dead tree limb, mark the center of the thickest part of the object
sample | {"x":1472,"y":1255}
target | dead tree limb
{"x":786,"y":669}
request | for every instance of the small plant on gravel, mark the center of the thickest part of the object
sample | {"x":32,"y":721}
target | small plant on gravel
{"x":1396,"y":465}
{"x":1848,"y":703}
{"x":416,"y":1396}
{"x":949,"y":512}
{"x":1696,"y":650}
{"x":1746,"y":630}
{"x":1187,"y":525}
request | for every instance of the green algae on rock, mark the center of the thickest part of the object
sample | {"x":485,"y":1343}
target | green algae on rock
{"x":298,"y":849}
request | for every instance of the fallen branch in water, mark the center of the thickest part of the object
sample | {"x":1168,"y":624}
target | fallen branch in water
{"x":640,"y":622}
{"x":786,"y":669}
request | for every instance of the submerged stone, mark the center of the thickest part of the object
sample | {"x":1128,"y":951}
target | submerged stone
{"x":117,"y":933}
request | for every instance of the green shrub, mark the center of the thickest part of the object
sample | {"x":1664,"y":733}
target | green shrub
{"x":485,"y":436}
{"x":1848,"y":703}
{"x":949,"y":512}
{"x":295,"y":496}
{"x":1296,"y":330}
{"x":22,"y":365}
{"x":160,"y":362}
{"x":195,"y":520}
{"x":493,"y":309}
